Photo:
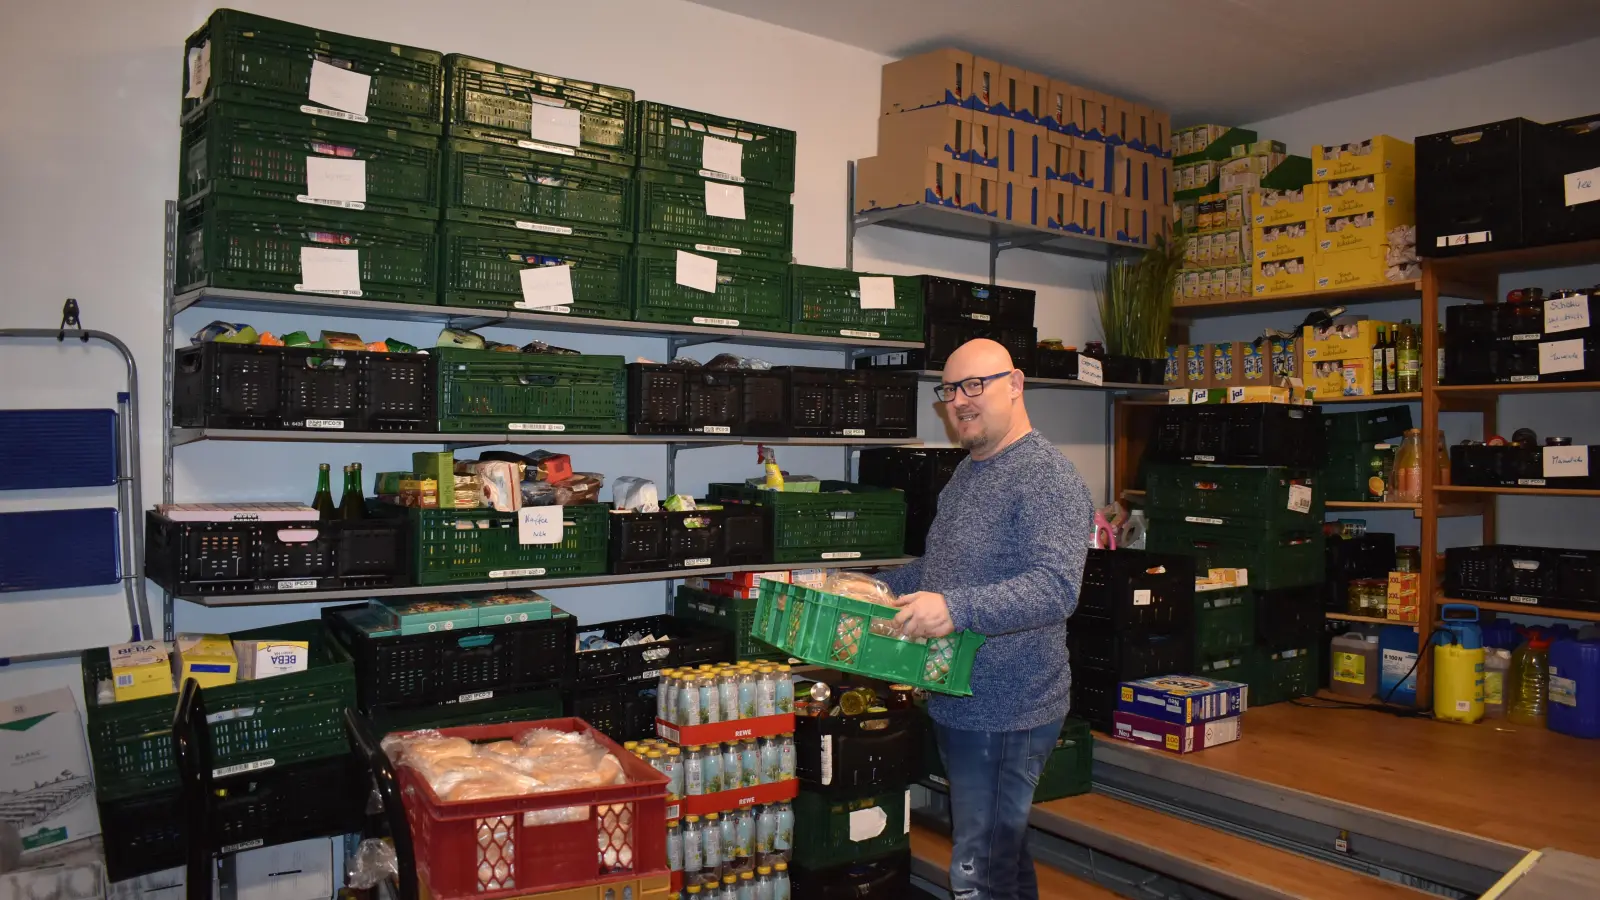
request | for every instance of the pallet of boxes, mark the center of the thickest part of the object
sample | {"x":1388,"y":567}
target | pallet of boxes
{"x":966,"y":133}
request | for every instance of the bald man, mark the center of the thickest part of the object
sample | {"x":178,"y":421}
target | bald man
{"x":1004,"y":558}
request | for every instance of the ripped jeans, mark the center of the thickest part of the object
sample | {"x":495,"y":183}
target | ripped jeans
{"x":992,"y":778}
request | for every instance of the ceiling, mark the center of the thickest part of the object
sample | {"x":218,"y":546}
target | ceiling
{"x":1228,"y":61}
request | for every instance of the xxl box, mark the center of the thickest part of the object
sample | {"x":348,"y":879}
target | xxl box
{"x":46,"y":779}
{"x":832,"y":831}
{"x":454,"y":546}
{"x":852,"y":755}
{"x":489,"y":101}
{"x":696,"y":539}
{"x":1102,"y":659}
{"x":1373,"y":156}
{"x":935,"y":132}
{"x":1275,"y":207}
{"x":851,"y":403}
{"x":883,"y":182}
{"x":1279,"y":277}
{"x":684,"y":140}
{"x":1555,"y":213}
{"x":1284,"y":241}
{"x":1290,"y":498}
{"x":1134,"y":590}
{"x":676,"y":399}
{"x":1057,"y":113}
{"x":1242,"y":434}
{"x":1172,"y":737}
{"x":1024,"y":149}
{"x":1183,"y":699}
{"x":943,"y":338}
{"x":1342,"y":270}
{"x":986,"y":143}
{"x":1022,"y":94}
{"x":928,"y":79}
{"x":1276,"y":558}
{"x":498,"y":184}
{"x":1023,"y":201}
{"x":1091,"y":114}
{"x":1078,"y":161}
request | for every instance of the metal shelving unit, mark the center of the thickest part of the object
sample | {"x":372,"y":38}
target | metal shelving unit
{"x":182,"y":436}
{"x":1071,"y":384}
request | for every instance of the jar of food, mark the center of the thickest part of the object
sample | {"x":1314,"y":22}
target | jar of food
{"x":1368,"y":597}
{"x":1408,"y":559}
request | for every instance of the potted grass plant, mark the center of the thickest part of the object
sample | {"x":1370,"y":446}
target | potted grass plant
{"x":1135,"y":300}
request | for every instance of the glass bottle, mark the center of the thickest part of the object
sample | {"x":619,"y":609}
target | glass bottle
{"x":732,"y":766}
{"x":1409,"y":353}
{"x":728,"y":691}
{"x":1408,"y":469}
{"x":783,"y":838}
{"x":322,"y":502}
{"x":750,"y":762}
{"x":693,"y":861}
{"x":780,"y":881}
{"x":1442,"y":476}
{"x":1391,"y":362}
{"x":747,"y":694}
{"x":351,"y":505}
{"x":766,"y":828}
{"x":1381,"y":334}
{"x":786,"y":757}
{"x":711,"y":769}
{"x":744,"y":832}
{"x":711,"y":842}
{"x":710,"y":701}
{"x":694,"y":773}
{"x":673,"y":769}
{"x":674,"y":845}
{"x":783,"y":690}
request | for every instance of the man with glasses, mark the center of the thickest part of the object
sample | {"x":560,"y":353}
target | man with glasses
{"x":1004,"y":558}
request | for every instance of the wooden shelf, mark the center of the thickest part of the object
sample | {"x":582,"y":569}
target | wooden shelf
{"x":1374,"y":504}
{"x":1232,"y":306}
{"x":1528,"y":259}
{"x":1365,"y":620}
{"x":1545,"y":612}
{"x":1531,"y":387}
{"x":1524,"y":491}
{"x":1412,"y":397}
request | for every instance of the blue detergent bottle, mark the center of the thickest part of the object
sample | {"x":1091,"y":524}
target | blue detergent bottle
{"x":1397,"y":652}
{"x":1575,"y":687}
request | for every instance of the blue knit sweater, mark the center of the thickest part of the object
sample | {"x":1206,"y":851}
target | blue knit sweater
{"x":1007,"y":550}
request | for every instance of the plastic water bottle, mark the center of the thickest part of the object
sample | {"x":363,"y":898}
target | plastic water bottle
{"x":780,"y":881}
{"x":766,"y":692}
{"x":747,"y":886}
{"x":763,"y":883}
{"x":732,"y":766}
{"x":744,"y":833}
{"x":784,"y":690}
{"x":711,"y":842}
{"x":675,"y":846}
{"x":674,"y":771}
{"x":728,"y":825}
{"x":783,"y":839}
{"x":766,"y":828}
{"x":728,"y":690}
{"x":688,"y":702}
{"x":785,"y":757}
{"x":750,"y":762}
{"x":693,"y":860}
{"x":747,"y":694}
{"x":694,"y":773}
{"x":710,"y":701}
{"x":769,"y":760}
{"x":711,"y":769}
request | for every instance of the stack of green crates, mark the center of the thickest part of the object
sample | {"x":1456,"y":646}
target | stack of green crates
{"x":1068,"y":772}
{"x":1354,"y":439}
{"x":272,"y":133}
{"x":731,"y":614}
{"x":829,"y":302}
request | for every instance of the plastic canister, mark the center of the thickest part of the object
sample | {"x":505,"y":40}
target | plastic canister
{"x":1496,"y":663}
{"x":1575,"y":687}
{"x":1458,"y":665}
{"x":1528,"y":684}
{"x":1397,"y":678}
{"x":1354,"y":663}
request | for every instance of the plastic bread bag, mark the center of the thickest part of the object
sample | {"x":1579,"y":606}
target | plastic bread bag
{"x":582,"y":487}
{"x":857,"y":586}
{"x":501,"y":485}
{"x":423,"y":747}
{"x":635,"y":494}
{"x":375,"y":862}
{"x":538,"y":493}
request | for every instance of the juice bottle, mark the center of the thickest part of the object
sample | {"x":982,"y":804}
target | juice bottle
{"x":1443,"y":475}
{"x":1408,"y":469}
{"x":1528,"y":683}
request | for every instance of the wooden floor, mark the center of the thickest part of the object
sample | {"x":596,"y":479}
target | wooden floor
{"x":1524,"y":786}
{"x":933,"y":847}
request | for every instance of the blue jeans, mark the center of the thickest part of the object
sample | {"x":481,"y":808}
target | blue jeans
{"x":992,"y":778}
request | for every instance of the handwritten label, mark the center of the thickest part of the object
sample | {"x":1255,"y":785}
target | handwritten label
{"x":1178,"y":398}
{"x":1566,"y":462}
{"x":1090,"y":371}
{"x":339,"y":88}
{"x":329,"y":271}
{"x":539,"y":525}
{"x":1560,"y":356}
{"x":724,"y":201}
{"x":877,"y":292}
{"x":555,"y":124}
{"x":1582,"y":187}
{"x":199,"y":71}
{"x":698,"y":272}
{"x":546,"y":286}
{"x":336,"y":181}
{"x":722,"y":157}
{"x":1566,"y":313}
{"x":1141,"y":598}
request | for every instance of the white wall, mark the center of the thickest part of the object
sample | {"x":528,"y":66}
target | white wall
{"x":90,"y":153}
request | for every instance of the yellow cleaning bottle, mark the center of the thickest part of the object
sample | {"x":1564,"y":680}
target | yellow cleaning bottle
{"x":769,"y":458}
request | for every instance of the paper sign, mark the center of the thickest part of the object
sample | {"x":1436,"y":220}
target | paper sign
{"x":342,"y":181}
{"x":1566,"y":462}
{"x":199,"y":71}
{"x":556,"y":124}
{"x":546,"y":286}
{"x":327,"y":271}
{"x":339,"y":88}
{"x":877,"y":292}
{"x":722,"y":156}
{"x":1299,"y":498}
{"x":539,"y":525}
{"x":725,"y":201}
{"x":866,"y":824}
{"x":696,"y":271}
{"x":1178,"y":397}
{"x":1583,"y":187}
{"x":1089,"y":371}
{"x":1560,"y":356}
{"x":1566,"y":313}
{"x":1142,"y":597}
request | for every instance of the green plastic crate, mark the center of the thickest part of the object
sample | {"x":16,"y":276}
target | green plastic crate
{"x":529,"y":706}
{"x":822,"y":828}
{"x":673,"y":138}
{"x":245,"y":244}
{"x":1347,"y":471}
{"x":1366,"y":426}
{"x":1249,"y":492}
{"x":494,"y":184}
{"x":828,"y":302}
{"x":1276,"y":558}
{"x":482,"y":269}
{"x":1067,"y":773}
{"x":858,"y":637}
{"x":453,"y":546}
{"x":841,"y":521}
{"x":262,"y":153}
{"x":751,"y":294}
{"x":484,"y":390}
{"x":488,"y":101}
{"x":671,"y":212}
{"x":735,"y":614}
{"x":1224,"y":621}
{"x":250,"y":59}
{"x":1242,"y":664}
{"x":254,"y":724}
{"x":1286,"y":674}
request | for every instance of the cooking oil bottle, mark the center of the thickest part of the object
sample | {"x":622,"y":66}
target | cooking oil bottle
{"x":1528,"y":684}
{"x":1458,"y":665}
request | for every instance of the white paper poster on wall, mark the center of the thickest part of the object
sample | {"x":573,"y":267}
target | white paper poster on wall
{"x":339,"y":89}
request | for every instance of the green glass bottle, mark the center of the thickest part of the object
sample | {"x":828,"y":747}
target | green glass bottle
{"x":351,"y":505}
{"x":322,"y":502}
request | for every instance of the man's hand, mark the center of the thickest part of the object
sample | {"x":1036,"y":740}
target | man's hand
{"x":923,"y":614}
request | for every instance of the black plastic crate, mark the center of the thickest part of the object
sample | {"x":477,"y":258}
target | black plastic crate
{"x":1470,"y":188}
{"x":673,"y":399}
{"x":854,"y":755}
{"x":1477,"y":321}
{"x":1568,"y":146}
{"x":1137,"y":591}
{"x":941,"y":338}
{"x":687,"y":644}
{"x":1289,"y":615}
{"x":1482,"y":465}
{"x":664,"y":541}
{"x":1366,"y":426}
{"x":1240,"y":434}
{"x":1102,"y":659}
{"x":278,"y":805}
{"x":214,"y":558}
{"x":488,"y":101}
{"x":951,"y":299}
{"x":624,"y":713}
{"x":1370,"y":556}
{"x":846,"y":403}
{"x":922,"y":473}
{"x":462,"y":666}
{"x":744,"y":535}
{"x":1535,"y":576}
{"x":1049,"y":362}
{"x":885,"y":878}
{"x":1480,"y":361}
{"x":218,"y":385}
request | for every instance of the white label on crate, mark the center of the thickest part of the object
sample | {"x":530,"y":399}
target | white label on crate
{"x":1206,"y":459}
{"x":555,"y":124}
{"x":325,"y":423}
{"x":242,"y":845}
{"x":869,"y":335}
{"x":339,"y":88}
{"x":1141,"y":597}
{"x":698,"y":272}
{"x":199,"y":71}
{"x":545,"y":286}
{"x":536,"y":426}
{"x":649,"y":674}
{"x":939,"y":780}
{"x":516,"y":573}
{"x":708,"y":320}
{"x":228,"y":715}
{"x":1526,"y":565}
{"x":332,"y":181}
{"x":1530,"y":482}
{"x":1566,"y":462}
{"x":1526,"y":337}
{"x":827,"y":759}
{"x":906,"y":822}
{"x":666,"y":731}
{"x":699,"y":562}
{"x":1477,"y":237}
{"x":259,"y":764}
{"x":1178,"y":398}
{"x":329,"y":271}
{"x":310,"y":110}
{"x":298,"y":584}
{"x":476,"y":695}
{"x":540,"y":226}
{"x":866,"y":824}
{"x":1090,"y":370}
{"x":853,"y":432}
{"x":1299,"y":498}
{"x":724,"y":201}
{"x":1582,"y":187}
{"x":1566,"y":313}
{"x":1202,"y":520}
{"x":722,"y":158}
{"x":978,"y":317}
{"x":842,"y":554}
{"x":540,"y":525}
{"x":1527,"y":601}
{"x":717,"y":429}
{"x":1560,"y":356}
{"x":877,"y":292}
{"x":1519,"y":379}
{"x":547,"y":148}
{"x":718,"y":248}
{"x":707,"y":173}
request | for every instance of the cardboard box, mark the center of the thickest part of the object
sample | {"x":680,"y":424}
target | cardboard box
{"x":433,"y":615}
{"x":45,"y":775}
{"x":1352,"y":268}
{"x":1161,"y":183}
{"x":1283,"y":241}
{"x":1123,"y":121}
{"x":1022,"y":93}
{"x":1339,"y":377}
{"x":1274,"y":277}
{"x":935,"y":132}
{"x":1161,"y":133}
{"x":207,"y":658}
{"x":1359,"y":231}
{"x":1058,"y":105}
{"x":265,"y":659}
{"x":141,"y":669}
{"x":927,"y":79}
{"x":1131,"y":220}
{"x":1183,"y":699}
{"x":1373,"y":156}
{"x":986,"y":84}
{"x":1225,"y":370}
{"x":1260,"y":393}
{"x":1060,"y":206}
{"x":1077,"y":160}
{"x":1367,"y":193}
{"x":986,"y":141}
{"x":1170,"y":736}
{"x":1344,"y":339}
{"x":1024,"y":149}
{"x":438,"y":465}
{"x":1270,"y":207}
{"x":1091,"y":114}
{"x":1141,"y":128}
{"x":1094,"y":211}
{"x":984,"y":194}
{"x":1197,"y":366}
{"x":1130,"y":173}
{"x":511,"y":607}
{"x":1023,"y":200}
{"x":1160,"y":220}
{"x":1404,"y":592}
{"x":885,"y":183}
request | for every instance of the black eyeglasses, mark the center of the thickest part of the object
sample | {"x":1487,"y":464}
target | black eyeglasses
{"x":972,"y":387}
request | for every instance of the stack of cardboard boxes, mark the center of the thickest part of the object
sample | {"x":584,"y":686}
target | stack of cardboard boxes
{"x":1246,"y":371}
{"x":968,"y":133}
{"x":1366,"y":213}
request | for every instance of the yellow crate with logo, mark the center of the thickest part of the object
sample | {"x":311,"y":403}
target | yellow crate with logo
{"x":1284,"y":240}
{"x":1275,"y":207}
{"x":1360,"y":212}
{"x":1373,"y":156}
{"x":1274,"y":277}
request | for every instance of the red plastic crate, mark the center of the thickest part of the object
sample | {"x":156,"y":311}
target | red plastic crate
{"x":728,"y":801}
{"x":725,"y":732}
{"x":460,"y":845}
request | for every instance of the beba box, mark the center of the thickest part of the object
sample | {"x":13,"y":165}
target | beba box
{"x":1170,"y":736}
{"x":1183,"y":699}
